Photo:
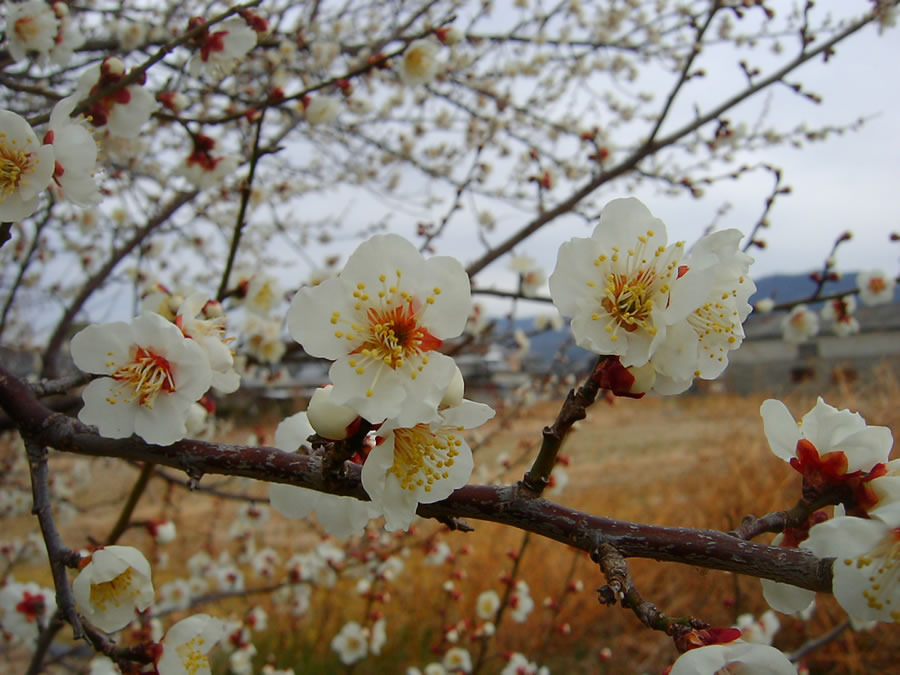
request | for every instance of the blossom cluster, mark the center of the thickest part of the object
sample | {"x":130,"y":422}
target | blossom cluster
{"x":839,"y":456}
{"x":668,"y":315}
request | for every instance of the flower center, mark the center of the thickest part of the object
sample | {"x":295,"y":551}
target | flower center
{"x":32,"y":606}
{"x":633,"y":283}
{"x":191,"y":656}
{"x":14,"y":164}
{"x":144,"y":378}
{"x":388,"y":325}
{"x":877,"y":285}
{"x":422,"y":456}
{"x":415,"y":62}
{"x":113,"y":591}
{"x":27,"y":28}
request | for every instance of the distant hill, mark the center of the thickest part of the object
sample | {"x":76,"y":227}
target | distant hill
{"x":782,"y":287}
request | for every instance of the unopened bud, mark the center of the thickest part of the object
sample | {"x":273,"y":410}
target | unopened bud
{"x":113,"y":67}
{"x":455,"y":390}
{"x":329,"y":419}
{"x":764,"y":306}
{"x":644,"y":378}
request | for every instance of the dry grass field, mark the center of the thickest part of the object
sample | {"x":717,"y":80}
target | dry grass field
{"x":696,"y":461}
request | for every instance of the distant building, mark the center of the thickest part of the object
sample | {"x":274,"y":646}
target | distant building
{"x":765,"y":362}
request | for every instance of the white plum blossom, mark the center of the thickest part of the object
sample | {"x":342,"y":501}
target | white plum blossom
{"x":201,"y":320}
{"x":322,"y":110}
{"x":744,"y":657}
{"x":31,"y":26}
{"x":187,"y":643}
{"x":518,"y":664}
{"x":25,"y":609}
{"x":520,"y":602}
{"x":263,"y":339}
{"x":764,"y":306}
{"x":351,"y":643}
{"x":800,"y":325}
{"x":457,"y":659}
{"x":698,"y":345}
{"x":123,"y":112}
{"x":103,"y":665}
{"x":420,"y":464}
{"x":758,"y":631}
{"x":341,"y":516}
{"x":114,"y":584}
{"x":223,"y":47}
{"x":202,"y":167}
{"x":155,"y":374}
{"x":382,"y":321}
{"x":867,"y":567}
{"x":875,"y":287}
{"x":531,"y":275}
{"x":487,"y":604}
{"x":419,"y":63}
{"x":75,"y":152}
{"x":263,"y":295}
{"x":821,"y":433}
{"x":26,"y":167}
{"x":378,"y":636}
{"x":618,"y":284}
{"x":840,"y":312}
{"x":68,"y":37}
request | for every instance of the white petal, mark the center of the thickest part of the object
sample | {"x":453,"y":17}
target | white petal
{"x":780,"y":428}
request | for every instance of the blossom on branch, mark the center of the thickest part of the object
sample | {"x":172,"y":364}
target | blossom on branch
{"x":875,"y":287}
{"x":124,"y":111}
{"x":341,"y":516}
{"x":382,"y":321}
{"x":800,"y":325}
{"x":736,"y":656}
{"x":222,"y":47}
{"x":114,"y":584}
{"x":187,"y":643}
{"x":201,"y":319}
{"x":26,"y":167}
{"x":75,"y":152}
{"x":155,"y":374}
{"x":420,"y":464}
{"x":31,"y":26}
{"x":25,"y":610}
{"x":351,"y":643}
{"x":419,"y":63}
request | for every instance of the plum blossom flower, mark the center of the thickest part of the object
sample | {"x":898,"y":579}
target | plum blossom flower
{"x":617,"y":284}
{"x":222,"y":48}
{"x":382,"y":320}
{"x":827,"y":444}
{"x":68,"y":38}
{"x":351,"y":643}
{"x":75,"y":152}
{"x":875,"y":287}
{"x":758,"y":631}
{"x":487,"y":604}
{"x":867,"y":566}
{"x":204,"y":168}
{"x":155,"y":374}
{"x":201,"y":319}
{"x":25,"y":609}
{"x":419,"y":64}
{"x":736,"y":656}
{"x":531,"y":276}
{"x":26,"y":167}
{"x":518,"y":664}
{"x":378,"y":636}
{"x":458,"y":659}
{"x":263,"y":339}
{"x":800,"y":325}
{"x":420,"y":464}
{"x":34,"y":27}
{"x":520,"y":602}
{"x":124,"y":111}
{"x":341,"y":516}
{"x":322,"y":110}
{"x":187,"y":643}
{"x":698,"y":345}
{"x":263,"y":294}
{"x":764,"y":306}
{"x":114,"y":584}
{"x":840,"y":311}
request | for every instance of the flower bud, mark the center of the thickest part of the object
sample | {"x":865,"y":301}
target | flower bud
{"x":328,"y":419}
{"x":764,"y":306}
{"x":455,"y":390}
{"x":644,"y":378}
